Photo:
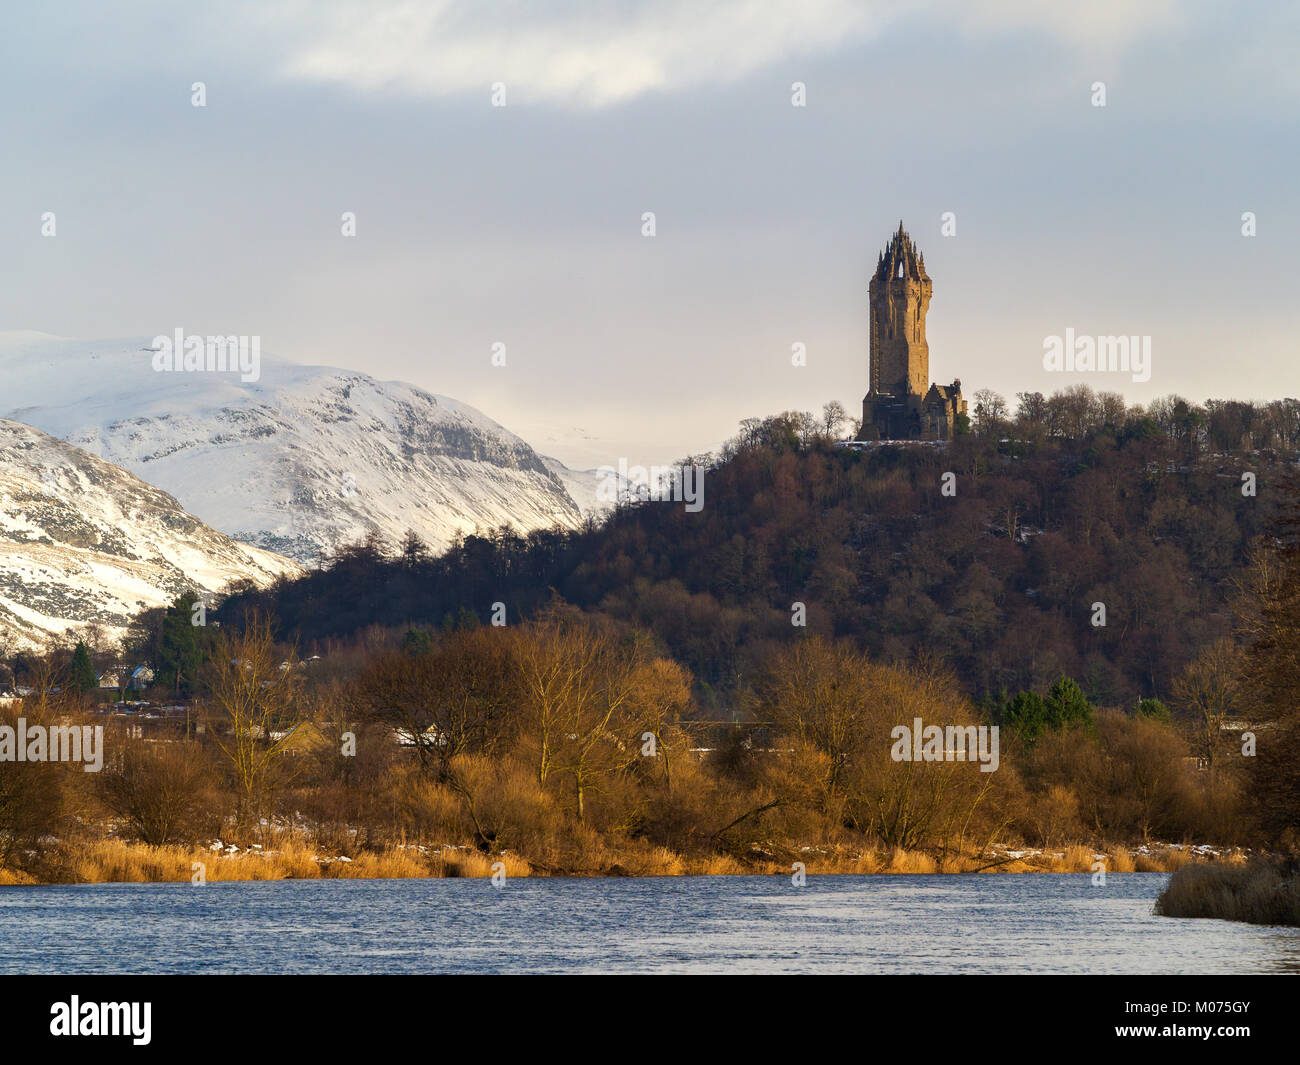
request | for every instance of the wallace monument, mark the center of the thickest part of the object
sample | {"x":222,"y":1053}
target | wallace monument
{"x":902,"y":404}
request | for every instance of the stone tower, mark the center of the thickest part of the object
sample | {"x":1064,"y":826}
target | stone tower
{"x":900,"y":297}
{"x":901,"y":404}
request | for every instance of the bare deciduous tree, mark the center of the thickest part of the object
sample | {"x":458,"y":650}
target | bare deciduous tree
{"x":1208,"y":693}
{"x":254,"y":696}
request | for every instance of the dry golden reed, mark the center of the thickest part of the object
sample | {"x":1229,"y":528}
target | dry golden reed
{"x":118,"y":861}
{"x":1257,"y":892}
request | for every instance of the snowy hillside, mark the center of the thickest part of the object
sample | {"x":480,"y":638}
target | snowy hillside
{"x":299,"y":461}
{"x":82,"y":542}
{"x":585,"y":488}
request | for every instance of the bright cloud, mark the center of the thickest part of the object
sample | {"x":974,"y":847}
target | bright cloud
{"x":598,"y":55}
{"x":593,"y":57}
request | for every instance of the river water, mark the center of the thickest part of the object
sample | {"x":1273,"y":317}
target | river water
{"x":1031,"y":923}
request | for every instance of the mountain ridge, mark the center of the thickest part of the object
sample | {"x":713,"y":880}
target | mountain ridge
{"x":300,"y":461}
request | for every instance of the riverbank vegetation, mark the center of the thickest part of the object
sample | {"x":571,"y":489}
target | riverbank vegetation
{"x":652,"y":705}
{"x":1259,"y":892}
{"x":572,"y":746}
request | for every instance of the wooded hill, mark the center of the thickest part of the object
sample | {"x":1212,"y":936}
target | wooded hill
{"x":1075,"y":501}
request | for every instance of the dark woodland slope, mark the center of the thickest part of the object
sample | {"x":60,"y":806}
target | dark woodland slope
{"x":1142,"y":512}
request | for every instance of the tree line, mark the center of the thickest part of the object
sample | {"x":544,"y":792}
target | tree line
{"x":1076,"y":501}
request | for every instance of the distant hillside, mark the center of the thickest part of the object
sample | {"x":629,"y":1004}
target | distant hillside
{"x":297,"y":461}
{"x":85,"y":543}
{"x":1076,"y":502}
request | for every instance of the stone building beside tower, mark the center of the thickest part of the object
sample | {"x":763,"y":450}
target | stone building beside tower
{"x":902,"y":403}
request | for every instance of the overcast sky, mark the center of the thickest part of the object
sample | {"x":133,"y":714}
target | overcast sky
{"x":523,"y":224}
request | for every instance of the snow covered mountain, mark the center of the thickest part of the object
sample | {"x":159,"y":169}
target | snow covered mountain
{"x":83,"y":542}
{"x":298,"y":461}
{"x":585,"y":488}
